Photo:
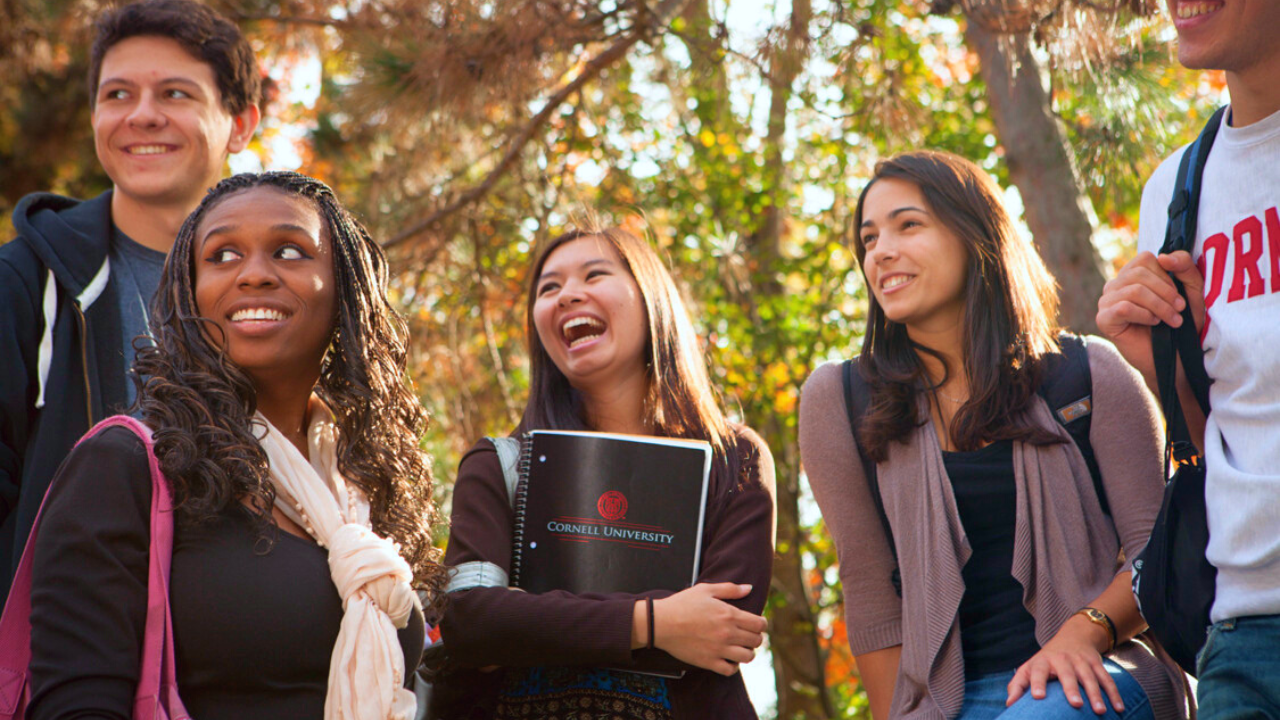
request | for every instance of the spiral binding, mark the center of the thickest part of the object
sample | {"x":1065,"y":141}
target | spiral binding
{"x":519,"y":506}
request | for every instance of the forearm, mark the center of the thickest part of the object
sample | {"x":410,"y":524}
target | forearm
{"x":501,"y":626}
{"x":878,"y":673}
{"x":1190,"y":409}
{"x":1186,"y":396}
{"x":1118,"y":604}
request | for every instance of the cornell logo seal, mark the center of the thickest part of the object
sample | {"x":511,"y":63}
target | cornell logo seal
{"x":612,"y":505}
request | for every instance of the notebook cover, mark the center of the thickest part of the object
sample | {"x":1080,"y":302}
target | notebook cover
{"x":603,"y":513}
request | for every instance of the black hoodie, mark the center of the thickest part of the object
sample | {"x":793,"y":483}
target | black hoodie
{"x":57,"y":379}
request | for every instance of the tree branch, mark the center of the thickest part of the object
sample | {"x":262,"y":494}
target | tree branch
{"x":293,"y":20}
{"x":593,"y":68}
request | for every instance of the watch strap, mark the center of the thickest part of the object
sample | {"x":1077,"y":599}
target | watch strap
{"x":1097,"y":617}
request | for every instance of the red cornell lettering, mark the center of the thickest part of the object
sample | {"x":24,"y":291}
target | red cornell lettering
{"x":1218,"y":244}
{"x":1273,"y":239}
{"x":1247,"y":259}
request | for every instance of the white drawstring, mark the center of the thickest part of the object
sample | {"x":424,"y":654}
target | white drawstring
{"x":45,"y":357}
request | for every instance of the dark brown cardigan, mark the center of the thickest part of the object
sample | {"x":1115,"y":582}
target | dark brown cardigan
{"x":497,"y":626}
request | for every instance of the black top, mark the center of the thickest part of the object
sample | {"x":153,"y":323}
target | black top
{"x":997,"y":634}
{"x":254,"y":627}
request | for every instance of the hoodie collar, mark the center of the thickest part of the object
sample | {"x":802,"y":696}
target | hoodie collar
{"x":72,"y":238}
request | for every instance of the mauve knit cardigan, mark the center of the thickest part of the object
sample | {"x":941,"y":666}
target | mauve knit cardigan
{"x":1065,"y":547}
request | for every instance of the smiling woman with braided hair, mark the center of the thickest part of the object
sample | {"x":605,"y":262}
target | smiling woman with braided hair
{"x":275,"y":390}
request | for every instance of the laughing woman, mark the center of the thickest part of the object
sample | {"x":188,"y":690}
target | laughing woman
{"x":282,"y":421}
{"x":612,"y":349}
{"x":1014,"y":596}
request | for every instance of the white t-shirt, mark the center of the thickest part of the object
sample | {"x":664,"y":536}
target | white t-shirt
{"x":1238,"y":251}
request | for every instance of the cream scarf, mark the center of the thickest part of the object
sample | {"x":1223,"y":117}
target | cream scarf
{"x":366,"y":672}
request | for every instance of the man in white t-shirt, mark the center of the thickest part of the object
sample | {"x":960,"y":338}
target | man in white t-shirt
{"x":1233,"y":282}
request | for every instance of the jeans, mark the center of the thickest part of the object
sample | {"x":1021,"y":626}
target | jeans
{"x":1239,"y":670}
{"x":984,"y":699}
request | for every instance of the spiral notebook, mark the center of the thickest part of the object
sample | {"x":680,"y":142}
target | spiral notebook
{"x":602,"y":513}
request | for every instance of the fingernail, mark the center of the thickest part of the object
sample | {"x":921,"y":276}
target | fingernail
{"x":745,"y":587}
{"x":1179,"y":303}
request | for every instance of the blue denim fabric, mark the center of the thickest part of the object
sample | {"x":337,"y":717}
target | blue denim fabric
{"x":984,"y":699}
{"x":1239,"y":670}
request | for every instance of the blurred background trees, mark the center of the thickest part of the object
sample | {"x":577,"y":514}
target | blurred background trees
{"x":737,"y":133}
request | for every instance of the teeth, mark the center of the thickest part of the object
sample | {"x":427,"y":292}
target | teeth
{"x":1187,"y":10}
{"x":148,"y":149}
{"x":588,"y":322}
{"x":578,"y":322}
{"x":582,"y":321}
{"x":256,"y":314}
{"x":895,"y":281}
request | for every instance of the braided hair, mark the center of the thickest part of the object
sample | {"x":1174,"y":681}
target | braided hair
{"x":200,"y":404}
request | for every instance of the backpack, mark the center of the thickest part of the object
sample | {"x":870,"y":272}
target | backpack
{"x":1174,"y":583}
{"x":1067,"y":388}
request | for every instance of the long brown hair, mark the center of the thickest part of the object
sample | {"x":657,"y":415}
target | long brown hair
{"x":679,"y":401}
{"x":201,"y":405}
{"x":1010,"y":318}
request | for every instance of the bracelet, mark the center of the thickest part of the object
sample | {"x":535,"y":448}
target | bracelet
{"x":648,"y":603}
{"x":1097,"y":617}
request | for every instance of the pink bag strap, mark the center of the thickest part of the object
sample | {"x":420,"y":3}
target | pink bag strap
{"x":156,"y":697}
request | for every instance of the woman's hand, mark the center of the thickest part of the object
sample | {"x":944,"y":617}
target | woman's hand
{"x":1074,"y":658}
{"x":698,"y":627}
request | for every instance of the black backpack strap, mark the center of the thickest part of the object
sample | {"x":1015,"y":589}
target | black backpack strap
{"x":1168,"y":343}
{"x":857,"y":398}
{"x":1067,"y":388}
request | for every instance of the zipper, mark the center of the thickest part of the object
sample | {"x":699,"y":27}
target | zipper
{"x":84,"y":360}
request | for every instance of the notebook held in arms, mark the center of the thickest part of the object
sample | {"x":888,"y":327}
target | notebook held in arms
{"x":601,"y":513}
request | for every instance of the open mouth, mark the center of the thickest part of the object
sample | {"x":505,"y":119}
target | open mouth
{"x":1188,"y":10}
{"x":257,"y":315}
{"x":581,"y":330}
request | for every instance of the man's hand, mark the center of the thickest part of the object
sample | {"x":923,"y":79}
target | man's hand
{"x":1141,"y":296}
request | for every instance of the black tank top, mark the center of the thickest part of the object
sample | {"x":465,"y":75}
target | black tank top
{"x":997,"y":634}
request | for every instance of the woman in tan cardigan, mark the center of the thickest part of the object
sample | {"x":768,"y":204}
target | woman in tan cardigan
{"x":1014,"y":598}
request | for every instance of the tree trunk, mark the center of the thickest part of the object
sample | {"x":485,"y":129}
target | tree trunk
{"x":1041,"y":165}
{"x":798,"y":662}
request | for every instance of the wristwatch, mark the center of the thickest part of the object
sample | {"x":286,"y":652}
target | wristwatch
{"x":1097,"y":617}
